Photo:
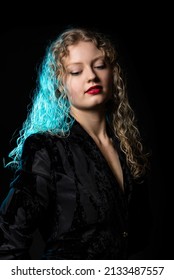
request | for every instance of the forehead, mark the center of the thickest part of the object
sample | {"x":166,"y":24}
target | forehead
{"x":82,"y":51}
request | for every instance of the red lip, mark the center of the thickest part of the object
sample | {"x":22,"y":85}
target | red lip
{"x":94,"y":90}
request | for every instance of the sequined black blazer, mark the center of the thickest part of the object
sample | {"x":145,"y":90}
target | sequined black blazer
{"x":66,"y":189}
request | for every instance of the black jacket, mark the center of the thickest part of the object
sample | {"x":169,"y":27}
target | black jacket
{"x":66,"y":189}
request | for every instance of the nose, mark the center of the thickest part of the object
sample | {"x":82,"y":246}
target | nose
{"x":91,"y":75}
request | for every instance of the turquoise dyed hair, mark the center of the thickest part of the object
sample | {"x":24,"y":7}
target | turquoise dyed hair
{"x":50,"y":108}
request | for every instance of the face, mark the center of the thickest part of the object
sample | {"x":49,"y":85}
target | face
{"x":88,"y":78}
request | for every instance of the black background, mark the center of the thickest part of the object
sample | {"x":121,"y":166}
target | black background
{"x":141,"y":38}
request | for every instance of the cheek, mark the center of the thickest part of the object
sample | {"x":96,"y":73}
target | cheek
{"x":73,"y":90}
{"x":71,"y":97}
{"x":71,"y":93}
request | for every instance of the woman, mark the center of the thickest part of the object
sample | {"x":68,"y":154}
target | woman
{"x":78,"y":154}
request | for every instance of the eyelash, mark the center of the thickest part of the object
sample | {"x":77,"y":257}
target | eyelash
{"x":77,"y":73}
{"x":74,"y":73}
{"x":100,"y":66}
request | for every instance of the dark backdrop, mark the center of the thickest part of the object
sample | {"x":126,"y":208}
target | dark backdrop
{"x":139,"y":45}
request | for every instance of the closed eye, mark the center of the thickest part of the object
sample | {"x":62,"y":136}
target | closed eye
{"x":75,"y":73}
{"x":103,"y":66}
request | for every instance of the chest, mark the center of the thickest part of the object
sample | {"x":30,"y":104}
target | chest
{"x":111,"y":156}
{"x":85,"y":164}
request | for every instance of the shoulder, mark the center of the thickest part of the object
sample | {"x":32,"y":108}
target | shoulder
{"x":37,"y":138}
{"x":38,"y":142}
{"x":35,"y":153}
{"x":50,"y":141}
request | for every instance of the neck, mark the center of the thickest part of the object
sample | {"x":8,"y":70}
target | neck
{"x":94,"y":122}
